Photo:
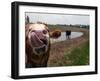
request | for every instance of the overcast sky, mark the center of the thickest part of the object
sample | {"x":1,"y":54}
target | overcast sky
{"x":58,"y":18}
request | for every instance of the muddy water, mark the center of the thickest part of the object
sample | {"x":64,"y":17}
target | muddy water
{"x":63,"y":36}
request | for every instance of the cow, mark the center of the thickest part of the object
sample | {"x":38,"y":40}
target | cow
{"x":55,"y":33}
{"x":68,"y":34}
{"x":37,"y":45}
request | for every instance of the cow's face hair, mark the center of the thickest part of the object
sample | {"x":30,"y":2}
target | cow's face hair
{"x":38,"y":37}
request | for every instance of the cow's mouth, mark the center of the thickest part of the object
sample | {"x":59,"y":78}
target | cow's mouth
{"x":44,"y":41}
{"x":39,"y":45}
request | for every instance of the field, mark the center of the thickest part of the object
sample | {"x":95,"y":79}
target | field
{"x":71,"y":52}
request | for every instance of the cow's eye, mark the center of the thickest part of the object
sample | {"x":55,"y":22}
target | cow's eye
{"x":44,"y":32}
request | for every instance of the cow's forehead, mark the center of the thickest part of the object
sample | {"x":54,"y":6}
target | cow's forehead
{"x":38,"y":27}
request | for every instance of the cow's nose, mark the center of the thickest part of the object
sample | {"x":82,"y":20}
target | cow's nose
{"x":40,"y":35}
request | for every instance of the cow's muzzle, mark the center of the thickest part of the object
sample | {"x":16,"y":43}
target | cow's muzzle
{"x":39,"y":44}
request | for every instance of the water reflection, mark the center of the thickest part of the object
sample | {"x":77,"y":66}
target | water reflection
{"x":63,"y":36}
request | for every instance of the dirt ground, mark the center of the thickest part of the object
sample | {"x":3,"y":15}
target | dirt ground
{"x":58,"y":49}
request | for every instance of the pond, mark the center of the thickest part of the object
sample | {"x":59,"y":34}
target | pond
{"x":63,"y":36}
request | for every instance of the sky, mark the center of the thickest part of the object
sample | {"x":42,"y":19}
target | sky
{"x":58,"y":18}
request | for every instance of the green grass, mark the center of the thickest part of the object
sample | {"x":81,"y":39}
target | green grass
{"x":77,"y":56}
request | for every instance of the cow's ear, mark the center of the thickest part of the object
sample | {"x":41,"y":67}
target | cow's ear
{"x":47,"y":28}
{"x":45,"y":24}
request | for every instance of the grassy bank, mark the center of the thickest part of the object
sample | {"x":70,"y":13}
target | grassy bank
{"x":77,"y":56}
{"x":64,"y":28}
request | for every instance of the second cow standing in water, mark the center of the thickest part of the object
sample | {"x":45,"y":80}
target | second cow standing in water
{"x":68,"y":34}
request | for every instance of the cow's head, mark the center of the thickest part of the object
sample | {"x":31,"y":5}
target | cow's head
{"x":38,"y":38}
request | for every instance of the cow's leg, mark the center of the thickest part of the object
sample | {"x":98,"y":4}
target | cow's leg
{"x":68,"y":37}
